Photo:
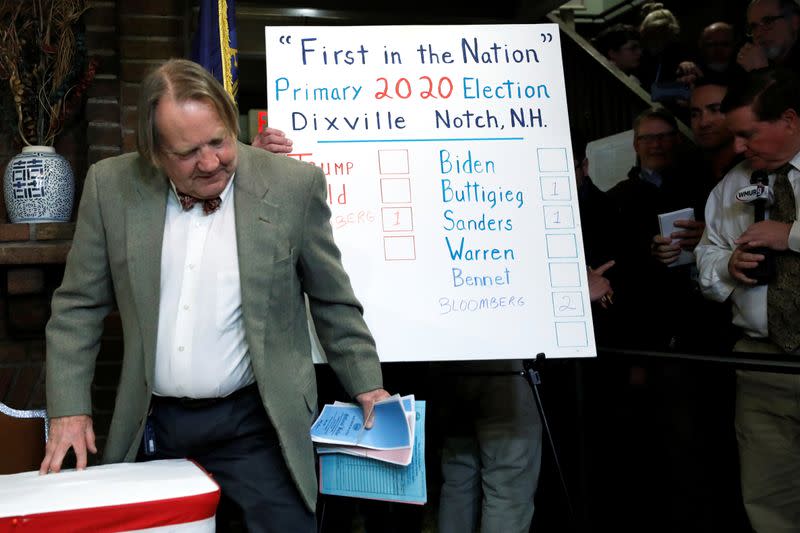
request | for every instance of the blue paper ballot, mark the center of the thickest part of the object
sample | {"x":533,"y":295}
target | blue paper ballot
{"x":344,"y":424}
{"x":398,"y":456}
{"x":408,"y":403}
{"x":360,"y":477}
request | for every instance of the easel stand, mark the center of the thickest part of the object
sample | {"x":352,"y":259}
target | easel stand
{"x":531,"y":372}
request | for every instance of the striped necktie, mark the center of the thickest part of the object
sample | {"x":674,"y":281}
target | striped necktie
{"x":783,"y":292}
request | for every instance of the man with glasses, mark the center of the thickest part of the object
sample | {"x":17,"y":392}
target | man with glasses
{"x":656,"y":185}
{"x":773,"y":27}
{"x":655,"y":309}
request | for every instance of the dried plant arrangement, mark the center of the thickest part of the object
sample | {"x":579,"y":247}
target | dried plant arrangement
{"x":44,"y":67}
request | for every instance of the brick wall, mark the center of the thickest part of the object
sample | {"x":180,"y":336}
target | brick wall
{"x":128,"y":38}
{"x":31,"y":256}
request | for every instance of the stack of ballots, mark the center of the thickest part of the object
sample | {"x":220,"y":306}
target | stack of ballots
{"x":386,"y":462}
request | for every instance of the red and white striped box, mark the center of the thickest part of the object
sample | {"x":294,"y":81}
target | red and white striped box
{"x":174,"y":495}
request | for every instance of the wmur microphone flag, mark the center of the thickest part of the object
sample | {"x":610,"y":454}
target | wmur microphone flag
{"x":215,"y":45}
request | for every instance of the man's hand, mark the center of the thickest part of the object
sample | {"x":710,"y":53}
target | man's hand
{"x":667,"y":249}
{"x":767,"y":233}
{"x":691,"y":233}
{"x":663,"y":249}
{"x":68,"y":432}
{"x":742,"y":260}
{"x":273,"y":140}
{"x":599,"y":286}
{"x":367,"y":401}
{"x":688,"y":72}
{"x":752,"y":57}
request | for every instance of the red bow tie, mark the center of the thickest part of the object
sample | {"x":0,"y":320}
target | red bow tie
{"x":209,"y":206}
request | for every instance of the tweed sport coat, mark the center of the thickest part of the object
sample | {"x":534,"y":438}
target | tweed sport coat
{"x":285,"y":250}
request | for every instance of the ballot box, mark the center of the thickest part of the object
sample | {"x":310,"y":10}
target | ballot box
{"x":174,"y":495}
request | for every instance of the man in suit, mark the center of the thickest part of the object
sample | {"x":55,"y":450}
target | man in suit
{"x":764,"y":115}
{"x":208,"y":248}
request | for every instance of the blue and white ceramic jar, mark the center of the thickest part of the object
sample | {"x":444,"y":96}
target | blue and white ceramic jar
{"x":39,"y":186}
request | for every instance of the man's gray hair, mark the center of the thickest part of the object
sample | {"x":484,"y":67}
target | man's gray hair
{"x":182,"y":80}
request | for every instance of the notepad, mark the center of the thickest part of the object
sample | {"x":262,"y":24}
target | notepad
{"x":666,"y":223}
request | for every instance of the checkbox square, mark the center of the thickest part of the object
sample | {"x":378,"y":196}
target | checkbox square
{"x":399,"y":248}
{"x":393,"y":161}
{"x":558,"y":217}
{"x":397,"y":219}
{"x":571,"y":334}
{"x":555,"y":188}
{"x":568,"y":304}
{"x":395,"y":190}
{"x":552,"y":159}
{"x":564,"y":275}
{"x":561,"y":246}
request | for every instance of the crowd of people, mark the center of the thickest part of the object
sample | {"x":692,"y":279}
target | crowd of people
{"x":679,"y":446}
{"x":708,"y":424}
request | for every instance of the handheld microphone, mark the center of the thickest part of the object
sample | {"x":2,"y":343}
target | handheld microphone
{"x":760,"y":179}
{"x":759,"y":194}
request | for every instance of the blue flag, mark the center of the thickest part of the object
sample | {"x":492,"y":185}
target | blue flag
{"x":215,"y":45}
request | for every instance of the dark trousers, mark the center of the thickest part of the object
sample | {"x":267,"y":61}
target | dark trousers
{"x":235,"y":442}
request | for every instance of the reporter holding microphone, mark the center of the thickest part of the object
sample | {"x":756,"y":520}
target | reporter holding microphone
{"x":763,"y":114}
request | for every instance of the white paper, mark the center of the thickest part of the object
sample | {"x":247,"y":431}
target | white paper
{"x":610,"y":159}
{"x":666,"y":222}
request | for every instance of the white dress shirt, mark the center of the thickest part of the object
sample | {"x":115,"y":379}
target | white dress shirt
{"x":201,"y":350}
{"x":726,"y":219}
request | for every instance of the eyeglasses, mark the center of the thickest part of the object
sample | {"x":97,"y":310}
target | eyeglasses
{"x":649,"y":138}
{"x":766,"y":23}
